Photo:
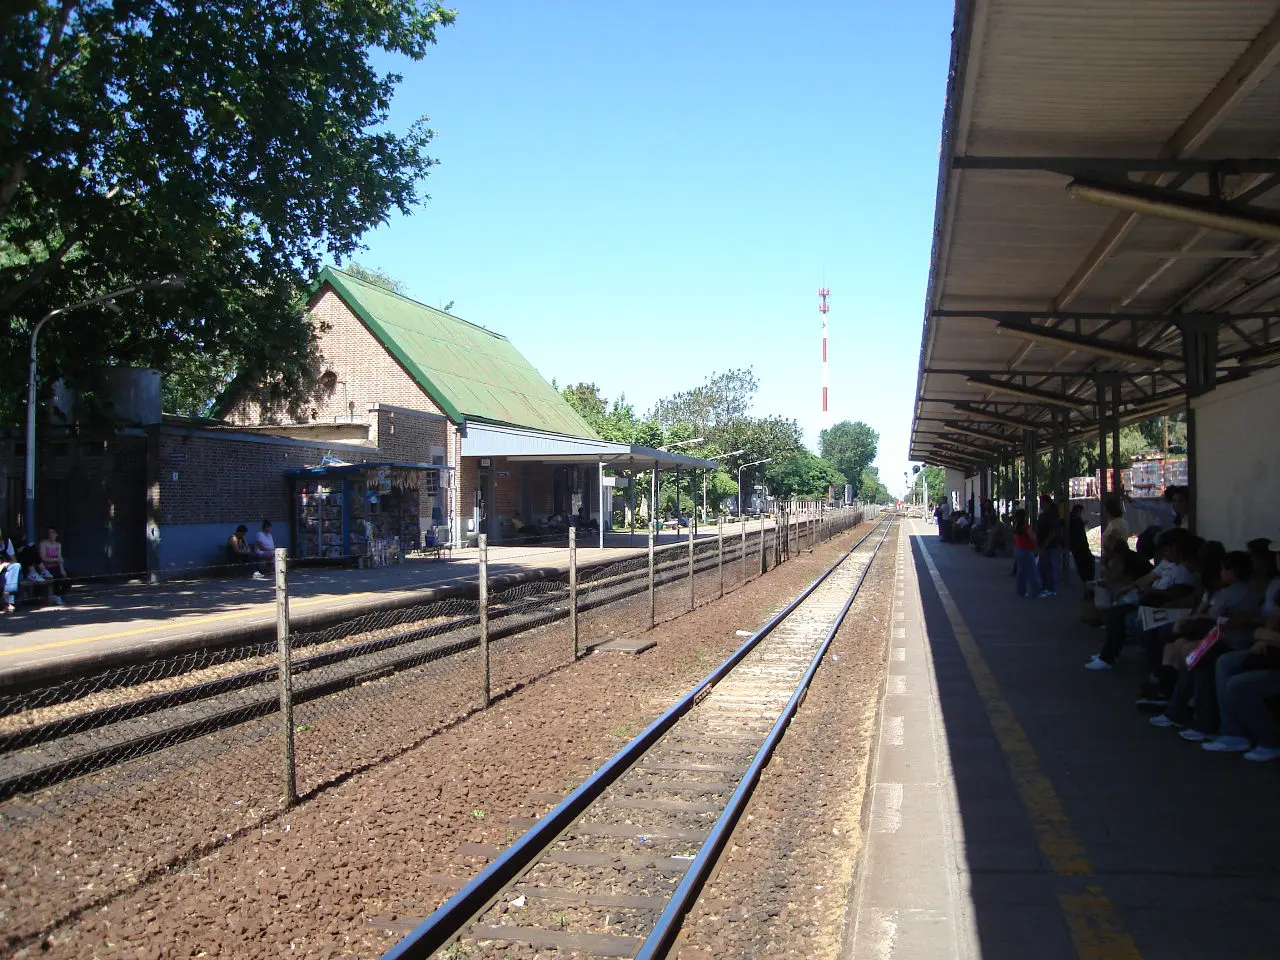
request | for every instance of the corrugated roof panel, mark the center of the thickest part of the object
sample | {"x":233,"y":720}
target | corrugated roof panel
{"x":472,"y":372}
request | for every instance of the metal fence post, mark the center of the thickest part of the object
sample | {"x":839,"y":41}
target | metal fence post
{"x":742,"y":559}
{"x":720,"y":550}
{"x":652,"y":609}
{"x":286,"y":676}
{"x":762,"y":561}
{"x":483,"y":582}
{"x":692,"y":592}
{"x":573,"y":588}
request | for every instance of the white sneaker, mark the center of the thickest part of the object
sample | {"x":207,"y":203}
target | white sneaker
{"x":1227,"y":745}
{"x":1193,"y":735}
{"x":258,"y":576}
{"x":1160,"y":720}
{"x":1263,"y":754}
{"x":1097,"y":663}
{"x":59,"y":601}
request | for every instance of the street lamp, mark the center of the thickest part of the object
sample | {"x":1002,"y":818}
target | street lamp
{"x":754,"y":463}
{"x":171,"y":282}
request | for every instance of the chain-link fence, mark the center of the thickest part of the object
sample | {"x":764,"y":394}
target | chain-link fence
{"x":112,"y":778}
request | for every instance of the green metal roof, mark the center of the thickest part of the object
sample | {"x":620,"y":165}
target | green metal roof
{"x":471,"y":372}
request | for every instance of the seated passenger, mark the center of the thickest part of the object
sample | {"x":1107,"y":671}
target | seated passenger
{"x":1234,"y":606}
{"x":1246,"y":682}
{"x":1171,"y":581}
{"x":1114,"y":528}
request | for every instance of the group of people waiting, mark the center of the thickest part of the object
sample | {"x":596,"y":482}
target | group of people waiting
{"x":1038,"y":548}
{"x":1210,"y":633}
{"x":259,"y":555}
{"x":38,"y":567}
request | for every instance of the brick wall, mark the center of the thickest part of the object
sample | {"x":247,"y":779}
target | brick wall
{"x":207,"y":477}
{"x":362,"y":371}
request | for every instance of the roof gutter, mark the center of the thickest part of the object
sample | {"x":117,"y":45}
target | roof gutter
{"x":957,"y":78}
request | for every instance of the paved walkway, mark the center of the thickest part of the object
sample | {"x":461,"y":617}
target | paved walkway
{"x":106,"y":619}
{"x":1021,"y":807}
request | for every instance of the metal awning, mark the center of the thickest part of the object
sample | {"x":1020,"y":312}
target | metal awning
{"x":1108,"y":193}
{"x":491,"y":440}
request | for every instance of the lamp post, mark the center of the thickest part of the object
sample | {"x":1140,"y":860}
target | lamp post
{"x":172,"y":282}
{"x":753,"y":463}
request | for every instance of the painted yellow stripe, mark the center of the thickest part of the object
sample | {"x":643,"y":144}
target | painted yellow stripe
{"x":1089,"y":914}
{"x":180,"y":625}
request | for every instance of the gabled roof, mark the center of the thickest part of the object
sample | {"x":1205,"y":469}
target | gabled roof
{"x":471,"y":372}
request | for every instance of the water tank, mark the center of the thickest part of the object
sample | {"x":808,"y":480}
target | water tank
{"x":133,"y":392}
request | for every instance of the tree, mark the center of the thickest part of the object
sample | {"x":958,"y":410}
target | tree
{"x":801,"y":476}
{"x":377,"y":277}
{"x":850,"y":446}
{"x":237,"y":144}
{"x":615,"y":422}
{"x":708,"y":410}
{"x":934,"y":477}
{"x":873,"y":488}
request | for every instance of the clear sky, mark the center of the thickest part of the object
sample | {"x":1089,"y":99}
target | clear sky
{"x":640,"y":195}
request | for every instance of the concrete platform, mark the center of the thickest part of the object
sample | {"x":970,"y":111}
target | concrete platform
{"x":1022,"y":807}
{"x":108,"y":624}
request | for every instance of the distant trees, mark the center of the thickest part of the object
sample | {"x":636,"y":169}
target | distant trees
{"x":850,"y":446}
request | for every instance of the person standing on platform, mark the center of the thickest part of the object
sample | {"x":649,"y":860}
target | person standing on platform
{"x":1049,"y":543}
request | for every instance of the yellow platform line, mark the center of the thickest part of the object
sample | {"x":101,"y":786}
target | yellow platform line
{"x":181,"y":625}
{"x":1089,"y":914}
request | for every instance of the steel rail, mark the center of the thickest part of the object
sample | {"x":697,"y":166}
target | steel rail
{"x":663,"y":936}
{"x":134,"y":748}
{"x":596,"y":593}
{"x":469,"y":902}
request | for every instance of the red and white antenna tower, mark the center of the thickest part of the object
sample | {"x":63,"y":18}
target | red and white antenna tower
{"x":823,"y":293}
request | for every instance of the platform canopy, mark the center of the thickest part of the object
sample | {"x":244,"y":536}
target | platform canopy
{"x":491,"y":440}
{"x":1108,"y":218}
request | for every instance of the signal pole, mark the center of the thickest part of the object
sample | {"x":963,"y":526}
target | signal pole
{"x":823,"y":293}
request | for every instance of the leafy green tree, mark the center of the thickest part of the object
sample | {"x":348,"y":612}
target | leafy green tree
{"x":873,"y":488}
{"x":237,"y":144}
{"x":709,"y":409}
{"x":850,"y":446}
{"x":377,"y":278}
{"x":801,"y":476}
{"x":934,"y":477}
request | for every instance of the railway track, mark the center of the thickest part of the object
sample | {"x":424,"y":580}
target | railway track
{"x":611,"y":870}
{"x":43,"y":754}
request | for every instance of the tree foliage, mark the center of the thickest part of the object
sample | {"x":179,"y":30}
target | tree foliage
{"x":724,"y":399}
{"x":801,"y":476}
{"x":934,"y":479}
{"x":873,"y":488}
{"x":850,"y":446}
{"x":237,"y":144}
{"x":379,"y":278}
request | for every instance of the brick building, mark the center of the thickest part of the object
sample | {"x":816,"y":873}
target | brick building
{"x":434,"y":388}
{"x":403,"y":383}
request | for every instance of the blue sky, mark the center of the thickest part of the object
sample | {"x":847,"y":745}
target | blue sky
{"x":642,"y":195}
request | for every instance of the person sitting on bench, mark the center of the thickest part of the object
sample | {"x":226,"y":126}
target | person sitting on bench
{"x":238,"y":551}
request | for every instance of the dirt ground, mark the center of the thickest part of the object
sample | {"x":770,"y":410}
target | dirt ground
{"x":782,"y":887}
{"x":348,"y":870}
